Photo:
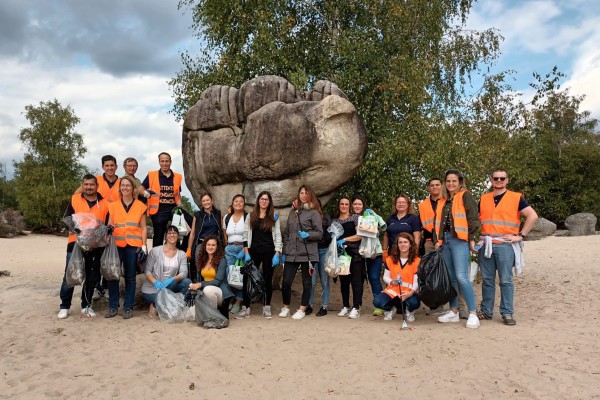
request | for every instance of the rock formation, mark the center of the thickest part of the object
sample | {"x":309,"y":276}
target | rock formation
{"x":541,"y":229}
{"x":266,"y":135}
{"x":581,"y":224}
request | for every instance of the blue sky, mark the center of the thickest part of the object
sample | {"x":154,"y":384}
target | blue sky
{"x":111,"y":60}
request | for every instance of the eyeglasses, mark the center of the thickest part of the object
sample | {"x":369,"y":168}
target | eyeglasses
{"x":264,"y":199}
{"x":499,"y":178}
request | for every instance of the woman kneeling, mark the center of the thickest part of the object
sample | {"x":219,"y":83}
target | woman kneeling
{"x":400,"y":275}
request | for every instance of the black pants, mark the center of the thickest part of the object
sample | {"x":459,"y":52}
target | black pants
{"x":224,"y":307}
{"x":160,"y":228}
{"x":289,"y":273}
{"x":357,"y":266}
{"x":264,"y":258}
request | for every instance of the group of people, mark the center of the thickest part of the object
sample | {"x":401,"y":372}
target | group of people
{"x":449,"y":220}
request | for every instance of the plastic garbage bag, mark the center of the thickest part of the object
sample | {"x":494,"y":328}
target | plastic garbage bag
{"x":331,"y":257}
{"x":235,"y":279}
{"x":435,"y":287}
{"x":368,"y":225}
{"x":368,"y":247}
{"x":75,"y":273}
{"x":91,"y":233}
{"x":207,"y":315}
{"x":473,"y":269}
{"x":343,"y":264}
{"x":255,"y":286}
{"x":171,"y":306}
{"x":110,"y":263}
{"x":179,"y":221}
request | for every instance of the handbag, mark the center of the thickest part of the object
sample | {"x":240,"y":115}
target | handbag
{"x":235,"y":279}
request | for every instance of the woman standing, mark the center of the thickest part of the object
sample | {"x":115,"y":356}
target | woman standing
{"x":320,"y":272}
{"x":234,"y":230}
{"x":166,"y":268}
{"x":373,"y":264}
{"x":454,"y":231}
{"x":262,"y":241}
{"x":400,"y":275}
{"x":303,"y":232}
{"x":212,"y":269}
{"x":357,"y":265}
{"x":403,"y":219}
{"x":206,"y":222}
{"x":128,"y":217}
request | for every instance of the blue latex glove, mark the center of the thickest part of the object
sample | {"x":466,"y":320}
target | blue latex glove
{"x":167,"y":282}
{"x":241,"y":255}
{"x":157,"y":284}
{"x":341,"y":242}
{"x":247,"y":258}
{"x":283,"y":259}
{"x":370,"y":211}
{"x":275,"y":261}
{"x":303,"y":235}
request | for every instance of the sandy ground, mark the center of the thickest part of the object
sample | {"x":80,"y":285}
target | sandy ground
{"x":552,"y":353}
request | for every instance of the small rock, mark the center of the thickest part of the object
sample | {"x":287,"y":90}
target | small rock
{"x":192,"y":386}
{"x":581,"y":224}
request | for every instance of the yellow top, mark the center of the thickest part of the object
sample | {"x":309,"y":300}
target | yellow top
{"x":209,"y":274}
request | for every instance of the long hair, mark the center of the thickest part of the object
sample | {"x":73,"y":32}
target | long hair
{"x":337,"y":208}
{"x":311,"y":201}
{"x":462,"y":186}
{"x":268,"y":222}
{"x":411,"y":208}
{"x":131,"y":181}
{"x":364,"y":204}
{"x":412,"y":252}
{"x":203,"y":255}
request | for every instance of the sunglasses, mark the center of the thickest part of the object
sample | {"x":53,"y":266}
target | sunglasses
{"x":499,"y":178}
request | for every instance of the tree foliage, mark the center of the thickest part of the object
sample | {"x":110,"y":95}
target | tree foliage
{"x":50,"y":170}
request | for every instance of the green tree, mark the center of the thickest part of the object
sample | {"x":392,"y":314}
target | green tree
{"x":8,"y":196}
{"x":50,"y":170}
{"x":404,"y":64}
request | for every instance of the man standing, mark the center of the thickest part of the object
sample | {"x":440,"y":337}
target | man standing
{"x":162,"y":188}
{"x":92,"y":202}
{"x":130,"y":165}
{"x":427,"y":210}
{"x":500,"y":215}
{"x":108,"y":182}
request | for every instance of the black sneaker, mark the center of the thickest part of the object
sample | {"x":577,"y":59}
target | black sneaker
{"x":308,"y":310}
{"x":322,"y":312}
{"x":128,"y":313}
{"x":112,"y":312}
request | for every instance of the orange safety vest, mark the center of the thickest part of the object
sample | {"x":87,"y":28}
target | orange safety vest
{"x":128,"y":230}
{"x":459,"y":214}
{"x":154,"y":183}
{"x":80,"y":205}
{"x":503,"y":219}
{"x":407,"y":274}
{"x":110,"y":194}
{"x":427,"y":214}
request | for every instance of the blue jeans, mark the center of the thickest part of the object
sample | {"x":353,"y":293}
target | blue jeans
{"x":181,"y":286}
{"x":128,"y":256}
{"x":386,"y":302}
{"x":502,"y":260}
{"x":231,"y":253}
{"x":456,"y":256}
{"x":374,"y":274}
{"x":323,"y":277}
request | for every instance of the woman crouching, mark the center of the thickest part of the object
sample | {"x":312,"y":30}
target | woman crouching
{"x":400,"y":275}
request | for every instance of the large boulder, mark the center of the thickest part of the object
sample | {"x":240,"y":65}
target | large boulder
{"x":266,"y":135}
{"x":581,"y":224}
{"x":541,"y":229}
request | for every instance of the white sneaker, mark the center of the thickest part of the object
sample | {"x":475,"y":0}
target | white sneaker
{"x":285,"y":312}
{"x":450,"y":316}
{"x":354,"y":314}
{"x":235,"y":308}
{"x":344,"y":312}
{"x":96,"y":294}
{"x":410,"y":316}
{"x":87,"y":312}
{"x":389,"y":315}
{"x":473,"y":321}
{"x":244,"y":313}
{"x":267,"y":312}
{"x":63,"y":313}
{"x":299,"y":314}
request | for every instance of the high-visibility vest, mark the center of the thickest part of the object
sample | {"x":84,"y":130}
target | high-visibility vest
{"x":80,"y":205}
{"x":110,"y":194}
{"x":407,"y":274}
{"x":427,"y":213}
{"x":503,"y":219}
{"x":128,"y":230}
{"x":459,"y":215}
{"x":154,"y":182}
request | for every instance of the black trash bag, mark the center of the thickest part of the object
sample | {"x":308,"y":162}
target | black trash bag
{"x":435,"y":287}
{"x":255,"y":282}
{"x":75,"y":274}
{"x":208,"y":316}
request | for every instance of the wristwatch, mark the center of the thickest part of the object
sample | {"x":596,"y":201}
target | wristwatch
{"x":522,"y":234}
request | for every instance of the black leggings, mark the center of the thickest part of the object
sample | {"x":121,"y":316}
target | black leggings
{"x":264,"y":258}
{"x":357,"y":266}
{"x":224,"y":307}
{"x":289,"y":273}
